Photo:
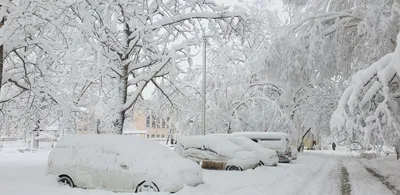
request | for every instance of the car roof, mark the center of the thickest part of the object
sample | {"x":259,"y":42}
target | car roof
{"x":121,"y":144}
{"x":262,"y":135}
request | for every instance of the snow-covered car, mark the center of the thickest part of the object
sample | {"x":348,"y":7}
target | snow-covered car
{"x":121,"y":163}
{"x":294,"y":153}
{"x":213,"y":152}
{"x":277,"y":141}
{"x":267,"y":156}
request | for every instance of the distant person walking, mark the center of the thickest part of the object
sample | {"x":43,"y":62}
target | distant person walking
{"x":333,"y":146}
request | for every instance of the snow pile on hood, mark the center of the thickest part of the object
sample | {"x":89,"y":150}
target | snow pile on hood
{"x":219,"y":145}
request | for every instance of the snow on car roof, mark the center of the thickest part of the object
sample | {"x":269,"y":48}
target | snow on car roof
{"x":217,"y":144}
{"x":126,"y":144}
{"x":263,"y":135}
{"x":242,"y":141}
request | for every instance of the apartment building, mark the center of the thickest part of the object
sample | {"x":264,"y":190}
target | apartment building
{"x":156,"y":128}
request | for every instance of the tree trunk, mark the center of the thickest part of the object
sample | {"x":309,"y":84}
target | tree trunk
{"x":397,"y":149}
{"x":123,"y":83}
{"x":123,"y":93}
{"x":1,"y":56}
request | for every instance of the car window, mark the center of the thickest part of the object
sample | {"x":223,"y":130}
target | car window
{"x":271,"y":139}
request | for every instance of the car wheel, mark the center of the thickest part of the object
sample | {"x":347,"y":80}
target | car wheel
{"x":260,"y":164}
{"x":146,"y":186}
{"x":234,"y":168}
{"x":65,"y":180}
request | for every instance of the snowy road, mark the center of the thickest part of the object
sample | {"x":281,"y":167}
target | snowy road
{"x":311,"y":174}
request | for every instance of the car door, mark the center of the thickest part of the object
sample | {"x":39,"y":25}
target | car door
{"x":89,"y":169}
{"x":124,"y":174}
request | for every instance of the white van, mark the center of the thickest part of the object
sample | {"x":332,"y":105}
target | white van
{"x":120,"y":163}
{"x":277,"y":141}
{"x":213,"y":152}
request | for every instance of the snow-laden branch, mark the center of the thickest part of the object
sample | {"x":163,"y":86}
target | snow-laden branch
{"x":194,"y":15}
{"x":354,"y":118}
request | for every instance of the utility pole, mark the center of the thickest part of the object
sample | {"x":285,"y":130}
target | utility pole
{"x":204,"y":85}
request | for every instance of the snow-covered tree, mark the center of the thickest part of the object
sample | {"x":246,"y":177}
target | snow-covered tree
{"x":77,"y":63}
{"x":313,"y":108}
{"x":368,"y":111}
{"x":144,"y":40}
{"x":35,"y":40}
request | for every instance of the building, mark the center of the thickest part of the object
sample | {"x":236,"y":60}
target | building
{"x":312,"y":141}
{"x":147,"y":126}
{"x":155,"y":127}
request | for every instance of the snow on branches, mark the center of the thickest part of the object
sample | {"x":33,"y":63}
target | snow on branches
{"x":368,"y":110}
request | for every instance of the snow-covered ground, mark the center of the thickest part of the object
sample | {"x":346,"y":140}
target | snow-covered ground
{"x":23,"y":173}
{"x":387,"y":166}
{"x":312,"y":174}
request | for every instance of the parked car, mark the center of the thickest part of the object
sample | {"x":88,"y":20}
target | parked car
{"x":213,"y":152}
{"x":120,"y":163}
{"x":277,"y":141}
{"x":267,"y":156}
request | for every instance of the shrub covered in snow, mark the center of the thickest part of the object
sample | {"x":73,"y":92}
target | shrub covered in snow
{"x":121,"y":163}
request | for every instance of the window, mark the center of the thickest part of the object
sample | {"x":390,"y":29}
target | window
{"x":148,"y":121}
{"x":148,"y":136}
{"x":163,"y":123}
{"x":153,"y":136}
{"x":158,"y":136}
{"x":162,"y":136}
{"x":153,"y":122}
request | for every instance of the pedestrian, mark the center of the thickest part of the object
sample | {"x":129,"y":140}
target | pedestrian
{"x":333,"y":146}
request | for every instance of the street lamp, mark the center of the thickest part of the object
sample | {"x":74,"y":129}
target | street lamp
{"x":204,"y":85}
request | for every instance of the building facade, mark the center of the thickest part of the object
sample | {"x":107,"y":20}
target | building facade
{"x":156,"y":128}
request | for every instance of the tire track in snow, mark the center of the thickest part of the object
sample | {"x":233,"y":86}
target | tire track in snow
{"x":345,"y":183}
{"x":383,"y":180}
{"x":362,"y":182}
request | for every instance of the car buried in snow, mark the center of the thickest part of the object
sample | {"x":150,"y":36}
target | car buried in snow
{"x":267,"y":156}
{"x":277,"y":141}
{"x":213,"y":152}
{"x":121,"y":164}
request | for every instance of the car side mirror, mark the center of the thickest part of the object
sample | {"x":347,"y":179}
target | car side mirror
{"x":126,"y":167}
